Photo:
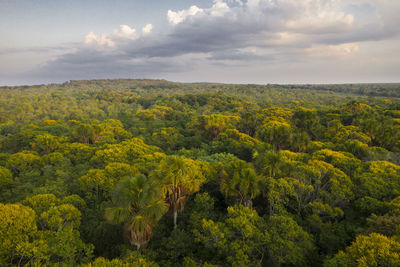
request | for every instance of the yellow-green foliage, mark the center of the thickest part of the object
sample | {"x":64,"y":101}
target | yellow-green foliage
{"x":288,"y":155}
{"x":275,"y":132}
{"x":379,"y":179}
{"x":103,"y":180}
{"x":239,"y":138}
{"x":337,"y":132}
{"x":6,"y":178}
{"x":41,"y":203}
{"x":17,"y":227}
{"x":77,"y":152}
{"x":324,"y":210}
{"x":133,"y":259}
{"x":368,"y":251}
{"x":157,"y":112}
{"x":276,"y":113}
{"x":45,"y":143}
{"x":355,"y":107}
{"x":24,"y":161}
{"x":124,"y":152}
{"x":213,"y":125}
{"x":42,"y":232}
{"x":342,"y":160}
{"x":241,"y":238}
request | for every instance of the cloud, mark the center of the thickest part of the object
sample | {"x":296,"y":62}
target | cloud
{"x":235,"y":33}
{"x":147,"y":29}
{"x":178,"y":17}
{"x":125,"y":32}
{"x":333,"y":51}
{"x":220,"y":8}
{"x":228,"y":26}
{"x":105,"y":40}
{"x":98,"y":41}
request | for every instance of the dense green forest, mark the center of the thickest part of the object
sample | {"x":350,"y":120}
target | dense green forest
{"x":157,"y":173}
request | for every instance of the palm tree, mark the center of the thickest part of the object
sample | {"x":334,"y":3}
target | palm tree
{"x":273,"y":162}
{"x":139,"y":205}
{"x":240,"y":181}
{"x":180,"y":177}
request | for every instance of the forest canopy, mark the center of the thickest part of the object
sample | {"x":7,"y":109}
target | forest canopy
{"x":158,"y":173}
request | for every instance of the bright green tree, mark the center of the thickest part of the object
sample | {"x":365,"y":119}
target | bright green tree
{"x":17,"y":228}
{"x":372,"y":250}
{"x":242,"y":238}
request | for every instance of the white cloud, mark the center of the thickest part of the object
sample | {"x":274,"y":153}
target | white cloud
{"x":125,"y":32}
{"x":178,"y":17}
{"x":98,"y":41}
{"x":109,"y":41}
{"x":219,"y":8}
{"x":147,"y":29}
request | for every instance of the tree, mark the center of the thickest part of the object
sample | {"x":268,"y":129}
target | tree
{"x":180,"y":177}
{"x":124,"y":152}
{"x":241,"y":182}
{"x":342,"y":160}
{"x":308,"y":120}
{"x":167,"y":138}
{"x":77,"y":153}
{"x":386,"y":224}
{"x":289,"y":243}
{"x":379,"y":179}
{"x":242,"y":237}
{"x":138,"y":204}
{"x":17,"y":227}
{"x":213,"y":125}
{"x":41,"y":203}
{"x":277,"y":193}
{"x":276,"y":132}
{"x":86,"y":133}
{"x":235,"y":142}
{"x":330,"y":184}
{"x":6,"y":181}
{"x":300,"y":141}
{"x":269,"y":163}
{"x":134,"y":258}
{"x":58,"y":238}
{"x":45,"y":143}
{"x":98,"y":183}
{"x":372,"y":250}
{"x":23,"y":162}
{"x":61,"y":234}
{"x":302,"y":194}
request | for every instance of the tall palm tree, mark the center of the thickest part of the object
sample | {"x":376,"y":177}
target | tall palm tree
{"x":272,"y":163}
{"x":180,"y":177}
{"x":241,"y":182}
{"x":139,"y":205}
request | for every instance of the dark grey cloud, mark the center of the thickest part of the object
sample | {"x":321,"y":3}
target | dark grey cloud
{"x":38,"y":49}
{"x":87,"y":64}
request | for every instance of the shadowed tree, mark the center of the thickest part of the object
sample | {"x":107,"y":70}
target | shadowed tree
{"x":241,"y":182}
{"x":180,"y":177}
{"x":139,"y":205}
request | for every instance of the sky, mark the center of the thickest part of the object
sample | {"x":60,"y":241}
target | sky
{"x":229,"y":41}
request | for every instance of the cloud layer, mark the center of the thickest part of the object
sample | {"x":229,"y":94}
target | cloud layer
{"x":234,"y":33}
